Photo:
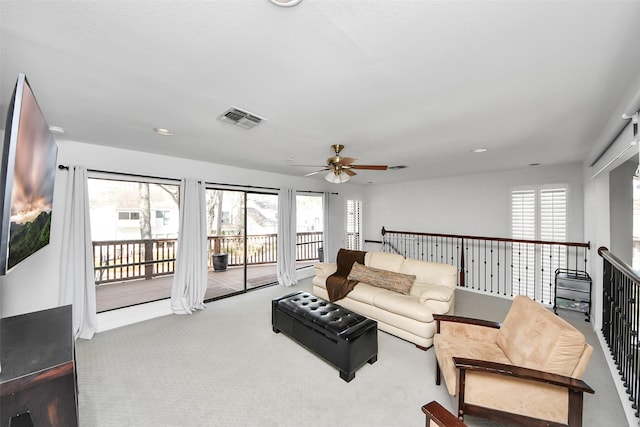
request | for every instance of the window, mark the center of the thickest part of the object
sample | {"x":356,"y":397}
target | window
{"x":354,"y":225}
{"x":134,"y":227}
{"x":310,"y":226}
{"x":538,"y":213}
{"x":129,"y":216}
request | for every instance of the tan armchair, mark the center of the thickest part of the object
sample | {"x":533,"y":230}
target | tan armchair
{"x":525,"y":371}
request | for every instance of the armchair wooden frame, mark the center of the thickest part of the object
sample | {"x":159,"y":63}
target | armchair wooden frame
{"x":439,"y":416}
{"x":575,"y":387}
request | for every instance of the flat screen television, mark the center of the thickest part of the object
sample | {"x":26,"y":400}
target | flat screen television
{"x":27,"y":177}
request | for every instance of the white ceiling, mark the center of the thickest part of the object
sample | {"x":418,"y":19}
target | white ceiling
{"x":415,"y":83}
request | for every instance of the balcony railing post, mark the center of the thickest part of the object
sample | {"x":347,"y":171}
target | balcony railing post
{"x":148,"y":259}
{"x":462,"y":266}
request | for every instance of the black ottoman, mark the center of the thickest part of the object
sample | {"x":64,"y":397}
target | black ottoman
{"x":345,"y":339}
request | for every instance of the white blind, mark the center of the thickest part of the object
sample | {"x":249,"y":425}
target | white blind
{"x":523,"y":226}
{"x":538,"y":213}
{"x":354,"y":225}
{"x":523,"y":214}
{"x":553,"y":226}
{"x":553,"y":214}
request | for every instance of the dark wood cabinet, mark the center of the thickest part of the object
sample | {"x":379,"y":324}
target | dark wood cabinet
{"x":38,"y":379}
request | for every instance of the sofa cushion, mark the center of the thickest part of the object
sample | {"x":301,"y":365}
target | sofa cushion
{"x":365,"y":293}
{"x":382,"y":278}
{"x":431,"y":273}
{"x":533,"y":337}
{"x":383,"y":260}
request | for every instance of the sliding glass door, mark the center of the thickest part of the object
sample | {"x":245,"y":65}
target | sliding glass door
{"x":242,"y":238}
{"x":262,"y":234}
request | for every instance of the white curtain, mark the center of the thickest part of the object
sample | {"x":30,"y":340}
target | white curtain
{"x":77,"y":282}
{"x":287,"y":237}
{"x":190,"y":277}
{"x":328,"y":240}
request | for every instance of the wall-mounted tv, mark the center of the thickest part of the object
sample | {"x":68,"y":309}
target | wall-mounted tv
{"x":26,"y":179}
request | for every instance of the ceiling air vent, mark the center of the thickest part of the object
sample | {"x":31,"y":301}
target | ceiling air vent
{"x":241,"y":118}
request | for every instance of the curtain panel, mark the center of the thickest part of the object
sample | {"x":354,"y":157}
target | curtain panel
{"x":190,"y":276}
{"x":287,"y":227}
{"x":77,"y":282}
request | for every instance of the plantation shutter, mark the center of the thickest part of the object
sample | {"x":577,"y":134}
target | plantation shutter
{"x":523,"y":214}
{"x":354,"y":225}
{"x":553,"y":226}
{"x":523,"y":227}
{"x":553,"y":214}
{"x":538,"y":213}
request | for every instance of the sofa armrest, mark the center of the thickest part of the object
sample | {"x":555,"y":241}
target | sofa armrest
{"x":574,"y":384}
{"x":438,"y":415}
{"x":436,"y":293}
{"x":325,"y":269}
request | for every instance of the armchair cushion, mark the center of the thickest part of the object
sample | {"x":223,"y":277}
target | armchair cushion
{"x":532,"y":338}
{"x":446,"y":345}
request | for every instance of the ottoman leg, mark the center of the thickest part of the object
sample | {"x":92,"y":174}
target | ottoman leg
{"x":347,"y":376}
{"x":373,"y":360}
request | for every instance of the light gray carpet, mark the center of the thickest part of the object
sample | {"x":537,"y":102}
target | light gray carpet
{"x":224,"y":366}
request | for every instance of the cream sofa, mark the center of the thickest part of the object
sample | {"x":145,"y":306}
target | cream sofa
{"x":409,"y":317}
{"x":532,"y":364}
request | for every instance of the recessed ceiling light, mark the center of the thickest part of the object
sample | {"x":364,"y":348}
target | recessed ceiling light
{"x":479,"y":150}
{"x":286,"y":3}
{"x":57,"y":130}
{"x":162,"y":131}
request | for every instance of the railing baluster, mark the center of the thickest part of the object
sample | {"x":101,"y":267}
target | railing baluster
{"x":514,"y":267}
{"x":621,"y":321}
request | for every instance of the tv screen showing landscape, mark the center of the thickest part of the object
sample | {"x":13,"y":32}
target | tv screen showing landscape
{"x":28,"y":174}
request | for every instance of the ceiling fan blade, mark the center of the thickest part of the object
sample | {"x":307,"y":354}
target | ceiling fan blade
{"x":347,"y":160}
{"x":315,"y":172}
{"x":349,"y":172}
{"x":370,"y":167}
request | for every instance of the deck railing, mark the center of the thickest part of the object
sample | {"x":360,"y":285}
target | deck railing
{"x":122,"y":260}
{"x":621,"y":321}
{"x":493,"y":265}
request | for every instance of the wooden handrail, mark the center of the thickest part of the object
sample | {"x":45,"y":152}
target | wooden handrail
{"x":497,"y":239}
{"x":619,"y":264}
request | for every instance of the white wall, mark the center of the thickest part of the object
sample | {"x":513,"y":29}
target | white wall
{"x":621,"y":209}
{"x":470,"y":204}
{"x":34,"y":284}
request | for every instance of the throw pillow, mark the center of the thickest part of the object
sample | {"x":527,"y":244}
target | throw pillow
{"x":397,"y":282}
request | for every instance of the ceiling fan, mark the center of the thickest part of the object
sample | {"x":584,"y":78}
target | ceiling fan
{"x":341,"y":168}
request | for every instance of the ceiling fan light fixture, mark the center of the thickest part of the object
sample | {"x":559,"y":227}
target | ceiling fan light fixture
{"x":286,"y":3}
{"x":337,"y":178}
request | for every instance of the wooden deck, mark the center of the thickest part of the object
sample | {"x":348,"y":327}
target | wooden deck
{"x":219,"y":284}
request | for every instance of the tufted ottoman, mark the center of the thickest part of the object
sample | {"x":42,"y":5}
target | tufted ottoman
{"x":345,"y":339}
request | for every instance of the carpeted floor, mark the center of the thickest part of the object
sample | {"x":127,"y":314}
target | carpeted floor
{"x":224,"y":366}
